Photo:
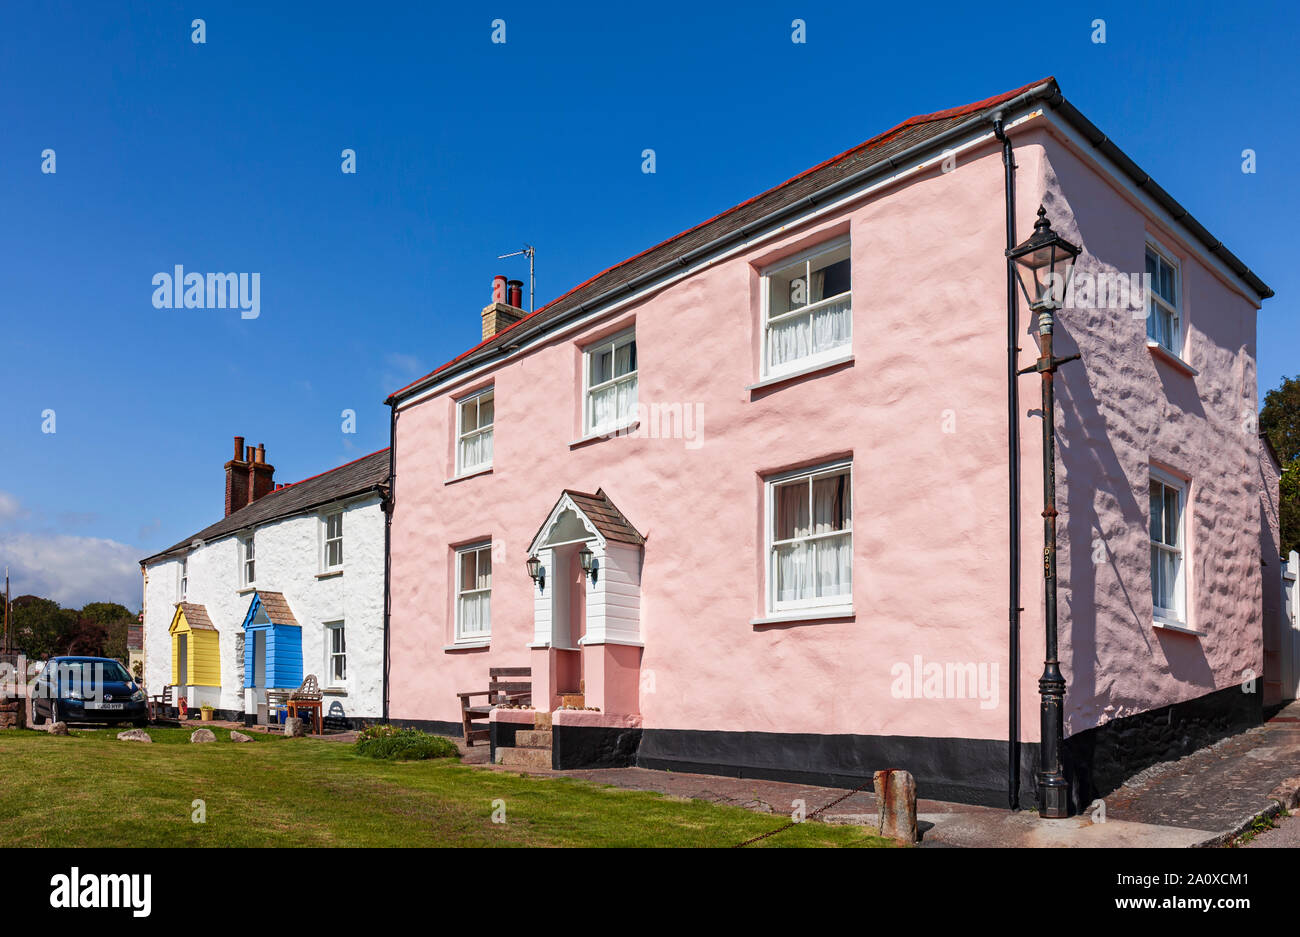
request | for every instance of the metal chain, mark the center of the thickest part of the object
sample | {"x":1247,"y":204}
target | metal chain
{"x":819,"y":810}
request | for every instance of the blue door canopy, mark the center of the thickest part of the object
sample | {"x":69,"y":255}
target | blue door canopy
{"x":270,"y":612}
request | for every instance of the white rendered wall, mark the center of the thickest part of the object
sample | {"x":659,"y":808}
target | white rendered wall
{"x":288,"y":560}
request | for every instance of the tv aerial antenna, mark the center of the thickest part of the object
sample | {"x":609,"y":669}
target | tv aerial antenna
{"x":531,"y":253}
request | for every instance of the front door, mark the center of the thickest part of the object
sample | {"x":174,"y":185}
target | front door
{"x":183,"y":659}
{"x":569,"y":622}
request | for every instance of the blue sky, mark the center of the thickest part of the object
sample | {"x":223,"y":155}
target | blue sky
{"x":225,"y":156}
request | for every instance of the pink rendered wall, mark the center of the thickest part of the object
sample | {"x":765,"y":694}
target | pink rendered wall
{"x":1121,"y":409}
{"x":922,"y":412}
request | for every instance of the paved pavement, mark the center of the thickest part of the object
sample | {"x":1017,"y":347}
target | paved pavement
{"x":1222,"y":787}
{"x":1206,"y":798}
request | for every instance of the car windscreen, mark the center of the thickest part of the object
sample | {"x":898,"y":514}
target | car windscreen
{"x":91,"y":673}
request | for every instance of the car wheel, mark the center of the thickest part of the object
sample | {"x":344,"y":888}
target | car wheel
{"x":37,"y":718}
{"x":55,"y":715}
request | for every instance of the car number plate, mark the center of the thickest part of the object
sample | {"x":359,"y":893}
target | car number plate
{"x":107,"y":706}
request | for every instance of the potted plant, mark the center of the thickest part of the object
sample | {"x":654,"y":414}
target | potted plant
{"x":208,"y":712}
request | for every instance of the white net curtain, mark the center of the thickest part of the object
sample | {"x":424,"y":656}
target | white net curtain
{"x":812,"y":540}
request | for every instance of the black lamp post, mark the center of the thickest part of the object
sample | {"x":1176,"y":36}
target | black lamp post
{"x":1044,"y":263}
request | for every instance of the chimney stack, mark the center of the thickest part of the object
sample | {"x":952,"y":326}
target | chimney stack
{"x":261,"y":477}
{"x":504,"y":310}
{"x":248,"y":477}
{"x":236,"y":479}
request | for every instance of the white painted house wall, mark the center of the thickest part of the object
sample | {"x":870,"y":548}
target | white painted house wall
{"x":288,"y":560}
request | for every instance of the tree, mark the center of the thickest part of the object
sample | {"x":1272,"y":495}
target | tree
{"x":1279,"y":420}
{"x":41,"y":629}
{"x":112,"y":620}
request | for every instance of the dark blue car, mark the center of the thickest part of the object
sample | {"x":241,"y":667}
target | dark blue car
{"x":88,"y":689}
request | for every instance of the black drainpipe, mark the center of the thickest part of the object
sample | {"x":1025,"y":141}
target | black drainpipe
{"x":1013,"y":480}
{"x":388,"y":543}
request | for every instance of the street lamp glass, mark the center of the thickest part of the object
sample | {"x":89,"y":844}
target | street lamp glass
{"x":1044,"y":264}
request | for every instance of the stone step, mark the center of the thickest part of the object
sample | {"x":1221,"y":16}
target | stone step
{"x":573,"y":699}
{"x":541,"y":720}
{"x":537,"y":738}
{"x":524,"y":757}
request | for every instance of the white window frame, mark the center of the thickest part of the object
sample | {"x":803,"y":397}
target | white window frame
{"x":182,"y":587}
{"x":461,"y":636}
{"x":1172,"y":616}
{"x":247,"y":555}
{"x":477,"y":399}
{"x":331,"y":627}
{"x":1176,"y":308}
{"x":828,"y":604}
{"x":813,"y":360}
{"x":613,"y":343}
{"x":326,"y":540}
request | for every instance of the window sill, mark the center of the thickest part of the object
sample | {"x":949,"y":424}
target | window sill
{"x":623,"y":429}
{"x":329,"y":574}
{"x":1168,"y":357}
{"x":468,"y":475}
{"x":245,"y":590}
{"x":802,"y":372}
{"x":334,"y":691}
{"x":466,"y":645}
{"x":1176,"y":626}
{"x":805,"y":615}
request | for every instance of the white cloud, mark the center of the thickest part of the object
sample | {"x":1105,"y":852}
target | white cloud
{"x":72,"y":570}
{"x":10,"y":509}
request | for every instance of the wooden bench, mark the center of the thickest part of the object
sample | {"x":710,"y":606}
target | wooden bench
{"x":307,"y":697}
{"x":502,"y":690}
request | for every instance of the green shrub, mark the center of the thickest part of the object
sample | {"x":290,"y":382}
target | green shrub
{"x":396,"y":744}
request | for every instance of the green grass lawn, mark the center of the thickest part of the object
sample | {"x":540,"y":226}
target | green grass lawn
{"x":89,"y":789}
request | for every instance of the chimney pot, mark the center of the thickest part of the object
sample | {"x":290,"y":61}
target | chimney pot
{"x":261,"y":452}
{"x":515,"y":292}
{"x":239,"y":447}
{"x":498,"y":289}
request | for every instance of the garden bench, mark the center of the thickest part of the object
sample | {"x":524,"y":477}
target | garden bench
{"x":307,"y":697}
{"x":501,"y":691}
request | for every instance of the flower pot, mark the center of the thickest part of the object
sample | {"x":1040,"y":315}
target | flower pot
{"x":208,"y":715}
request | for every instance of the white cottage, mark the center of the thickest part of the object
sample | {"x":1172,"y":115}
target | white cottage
{"x":290,"y":582}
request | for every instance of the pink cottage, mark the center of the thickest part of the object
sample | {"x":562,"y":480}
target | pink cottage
{"x":740,"y":504}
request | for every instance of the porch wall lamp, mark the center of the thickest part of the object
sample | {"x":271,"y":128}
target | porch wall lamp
{"x":536,"y":572}
{"x":1044,"y":263}
{"x":588,"y":561}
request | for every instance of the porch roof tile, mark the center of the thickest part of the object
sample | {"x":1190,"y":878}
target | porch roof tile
{"x":197,"y":617}
{"x":607,"y":518}
{"x":277,"y":608}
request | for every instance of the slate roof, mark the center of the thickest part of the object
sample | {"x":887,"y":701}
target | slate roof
{"x":607,"y":518}
{"x":368,"y":473}
{"x":197,"y":617}
{"x":799,"y":195}
{"x":277,"y":608}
